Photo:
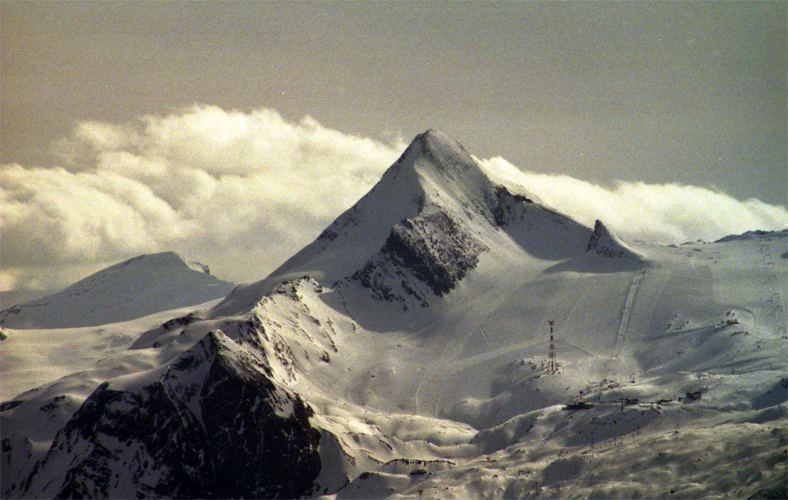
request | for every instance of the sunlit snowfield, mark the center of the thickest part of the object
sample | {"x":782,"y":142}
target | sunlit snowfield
{"x":417,"y":330}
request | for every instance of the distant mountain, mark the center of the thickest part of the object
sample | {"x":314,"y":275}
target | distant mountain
{"x":128,"y":290}
{"x":448,"y":335}
{"x":754,"y":235}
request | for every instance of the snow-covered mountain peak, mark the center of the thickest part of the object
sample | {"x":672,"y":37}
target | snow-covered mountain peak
{"x":435,"y":182}
{"x":127,"y":290}
{"x":161,"y":258}
{"x":420,"y":229}
{"x":446,"y":336}
{"x":440,"y":150}
{"x":441,"y":169}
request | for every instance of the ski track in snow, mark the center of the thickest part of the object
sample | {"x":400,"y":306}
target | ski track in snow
{"x":772,"y":283}
{"x":622,"y":327}
{"x":449,"y":357}
{"x":512,"y":432}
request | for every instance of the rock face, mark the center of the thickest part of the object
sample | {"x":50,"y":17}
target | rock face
{"x":603,"y":242}
{"x":429,"y":250}
{"x":211,"y":410}
{"x":435,"y":249}
{"x":212,"y":424}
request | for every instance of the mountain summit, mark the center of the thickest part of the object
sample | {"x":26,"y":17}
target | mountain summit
{"x":136,"y":287}
{"x":421,"y":229}
{"x":439,"y":149}
{"x":445,"y":327}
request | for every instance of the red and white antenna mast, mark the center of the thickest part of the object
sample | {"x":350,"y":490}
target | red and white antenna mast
{"x":551,"y":364}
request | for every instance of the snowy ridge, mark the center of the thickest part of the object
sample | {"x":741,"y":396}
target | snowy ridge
{"x":137,"y":287}
{"x":242,"y":419}
{"x":753,"y":235}
{"x":420,"y":229}
{"x":405,"y":352}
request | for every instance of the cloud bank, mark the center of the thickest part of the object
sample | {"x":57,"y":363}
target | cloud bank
{"x":244,"y":191}
{"x":667,"y":213}
{"x":239,"y":191}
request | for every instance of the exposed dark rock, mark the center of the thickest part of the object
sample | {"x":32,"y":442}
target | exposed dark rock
{"x":580,"y":405}
{"x":9,"y":405}
{"x":182,"y":320}
{"x":435,"y":249}
{"x":778,"y":492}
{"x":508,"y":205}
{"x":328,"y":234}
{"x":607,"y":244}
{"x":213,"y":425}
{"x":431,"y":249}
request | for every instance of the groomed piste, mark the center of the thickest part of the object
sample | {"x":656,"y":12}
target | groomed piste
{"x":405,"y":353}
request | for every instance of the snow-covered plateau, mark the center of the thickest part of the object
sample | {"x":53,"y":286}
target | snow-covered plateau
{"x":407,"y":352}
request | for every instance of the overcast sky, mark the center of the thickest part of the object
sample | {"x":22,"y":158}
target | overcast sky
{"x":115,"y":102}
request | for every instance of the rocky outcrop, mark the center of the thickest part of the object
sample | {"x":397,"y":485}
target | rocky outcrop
{"x":426,"y":254}
{"x":508,"y":207}
{"x":435,"y":249}
{"x":212,"y":424}
{"x":603,"y":242}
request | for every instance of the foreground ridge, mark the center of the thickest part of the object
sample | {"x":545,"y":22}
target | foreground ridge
{"x":447,"y":336}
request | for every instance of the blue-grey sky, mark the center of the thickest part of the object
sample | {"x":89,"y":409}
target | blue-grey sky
{"x":690,"y":93}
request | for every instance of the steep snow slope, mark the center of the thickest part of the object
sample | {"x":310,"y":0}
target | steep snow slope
{"x":137,"y":287}
{"x":421,"y":229}
{"x":32,"y":357}
{"x":416,"y":335}
{"x":270,"y":427}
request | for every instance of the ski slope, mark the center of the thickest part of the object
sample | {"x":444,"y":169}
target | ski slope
{"x":416,"y":330}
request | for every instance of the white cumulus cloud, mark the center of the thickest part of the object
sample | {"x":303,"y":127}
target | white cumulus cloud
{"x":669,"y":213}
{"x":242,"y":191}
{"x":239,"y":190}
